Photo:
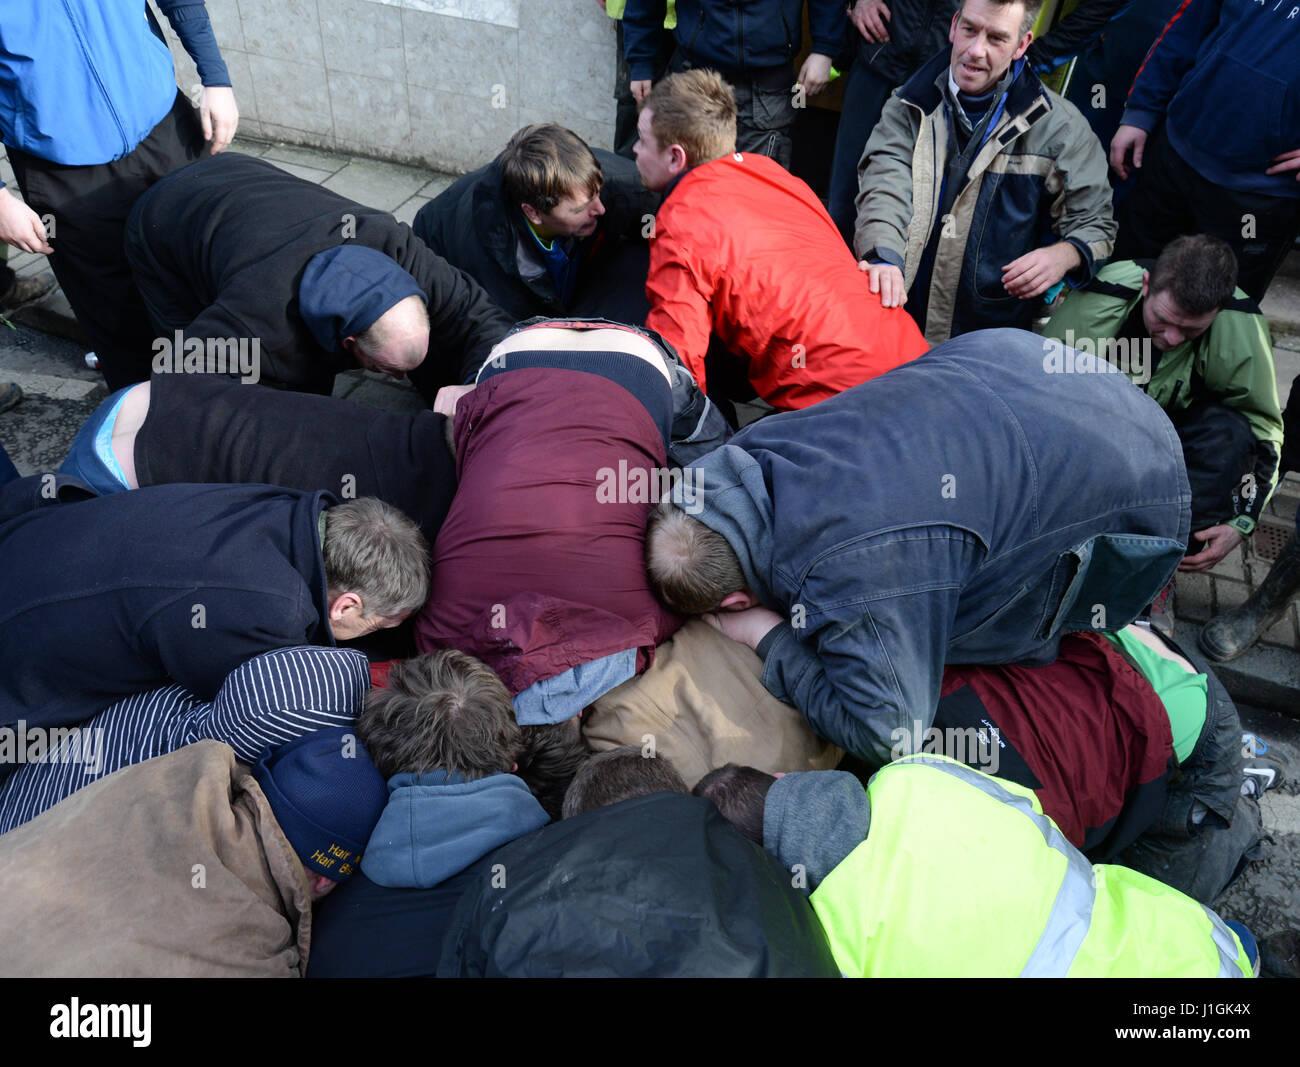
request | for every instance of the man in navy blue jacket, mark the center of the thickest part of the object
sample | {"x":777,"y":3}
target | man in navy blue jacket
{"x":751,"y":44}
{"x":968,"y":507}
{"x":107,"y":597}
{"x":91,"y":117}
{"x":1224,"y":76}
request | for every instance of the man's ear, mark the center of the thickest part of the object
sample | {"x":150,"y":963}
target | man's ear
{"x":343,"y":603}
{"x":320,"y":886}
{"x":740,"y":599}
{"x":531,"y":214}
{"x":349,"y":345}
{"x":1146,"y":283}
{"x":1024,"y":46}
{"x":678,"y":160}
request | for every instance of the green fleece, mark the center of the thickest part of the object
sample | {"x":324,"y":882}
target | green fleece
{"x":1232,"y":363}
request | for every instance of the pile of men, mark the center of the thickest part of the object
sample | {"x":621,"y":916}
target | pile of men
{"x":709,"y":621}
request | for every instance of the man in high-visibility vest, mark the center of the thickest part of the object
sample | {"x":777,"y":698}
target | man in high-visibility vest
{"x":938,"y":870}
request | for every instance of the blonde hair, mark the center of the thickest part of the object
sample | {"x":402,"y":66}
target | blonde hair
{"x":697,"y":110}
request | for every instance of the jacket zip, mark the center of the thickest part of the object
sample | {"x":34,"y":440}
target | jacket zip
{"x":85,"y":51}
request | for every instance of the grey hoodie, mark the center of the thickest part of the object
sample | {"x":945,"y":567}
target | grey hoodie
{"x":814,"y":819}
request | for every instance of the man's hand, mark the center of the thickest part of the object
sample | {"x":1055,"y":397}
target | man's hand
{"x":1287,"y":161}
{"x":641,"y":89}
{"x":20,"y":226}
{"x":749,"y":627}
{"x":815,"y":74}
{"x":1218,"y":542}
{"x":869,"y":17}
{"x":1127,"y":137}
{"x":1033,"y":274}
{"x":220,"y":116}
{"x":448,"y":396}
{"x":886,"y":280}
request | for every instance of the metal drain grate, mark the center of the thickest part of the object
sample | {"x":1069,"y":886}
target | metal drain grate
{"x":1269,"y":539}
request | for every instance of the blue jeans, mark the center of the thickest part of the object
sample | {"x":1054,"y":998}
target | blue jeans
{"x":90,"y":458}
{"x":865,"y":93}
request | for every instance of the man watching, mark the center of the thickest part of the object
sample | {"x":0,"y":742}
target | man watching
{"x":895,"y":533}
{"x":546,"y":228}
{"x":972,"y":162}
{"x":234,"y":248}
{"x":1211,"y":371}
{"x":745,"y":251}
{"x":182,"y":583}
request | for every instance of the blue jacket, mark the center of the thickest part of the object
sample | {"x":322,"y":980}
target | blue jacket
{"x":967,"y":507}
{"x":735,"y":36}
{"x":84,"y":81}
{"x":104,"y":598}
{"x":388,"y":920}
{"x":1225,"y":74}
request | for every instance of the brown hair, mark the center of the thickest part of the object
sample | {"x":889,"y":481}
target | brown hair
{"x":1199,"y":273}
{"x":697,"y":110}
{"x":620,"y":774}
{"x":691,"y":567}
{"x":544,"y":164}
{"x":443,"y":711}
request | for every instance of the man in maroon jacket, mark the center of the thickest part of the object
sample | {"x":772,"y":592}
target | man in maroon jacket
{"x":539,"y":567}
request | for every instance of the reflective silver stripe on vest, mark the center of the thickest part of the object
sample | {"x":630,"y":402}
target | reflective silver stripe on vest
{"x":1226,"y":943}
{"x":1071,"y":915}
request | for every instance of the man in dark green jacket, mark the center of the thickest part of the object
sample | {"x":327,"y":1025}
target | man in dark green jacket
{"x":1199,"y":347}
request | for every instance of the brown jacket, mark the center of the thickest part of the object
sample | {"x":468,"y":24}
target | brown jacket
{"x":174,"y":867}
{"x":704,"y":703}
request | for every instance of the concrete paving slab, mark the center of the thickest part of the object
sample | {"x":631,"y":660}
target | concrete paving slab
{"x":406,"y":212}
{"x":382,"y":185}
{"x":1193,"y":597}
{"x":312,"y":174}
{"x":1281,"y":305}
{"x":305,"y":157}
{"x":437,"y":184}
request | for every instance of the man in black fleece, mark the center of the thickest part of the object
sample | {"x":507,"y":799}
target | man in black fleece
{"x":232,"y":248}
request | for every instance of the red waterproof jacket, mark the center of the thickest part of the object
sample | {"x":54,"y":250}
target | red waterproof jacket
{"x":743,"y":249}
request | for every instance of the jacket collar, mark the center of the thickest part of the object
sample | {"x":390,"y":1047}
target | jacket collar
{"x":1026,"y":100}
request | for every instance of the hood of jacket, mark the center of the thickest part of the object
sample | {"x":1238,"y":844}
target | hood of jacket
{"x":436,"y":824}
{"x":730,"y":495}
{"x":815,"y":819}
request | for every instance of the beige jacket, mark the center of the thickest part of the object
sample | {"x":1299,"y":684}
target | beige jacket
{"x":174,"y":867}
{"x":703,"y":703}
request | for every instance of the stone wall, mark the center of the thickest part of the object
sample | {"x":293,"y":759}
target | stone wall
{"x":440,"y":83}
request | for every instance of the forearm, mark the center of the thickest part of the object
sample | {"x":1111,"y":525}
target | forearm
{"x":192,"y":25}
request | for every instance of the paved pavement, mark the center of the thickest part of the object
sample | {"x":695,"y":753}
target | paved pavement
{"x":45,"y":355}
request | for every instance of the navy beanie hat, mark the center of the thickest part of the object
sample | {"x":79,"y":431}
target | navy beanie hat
{"x":327,"y":796}
{"x":345,"y":290}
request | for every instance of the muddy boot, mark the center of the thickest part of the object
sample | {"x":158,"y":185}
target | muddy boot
{"x":1229,"y":635}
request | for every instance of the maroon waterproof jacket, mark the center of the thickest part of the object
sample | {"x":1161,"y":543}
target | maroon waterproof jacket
{"x":540,"y":564}
{"x":1087,"y":733}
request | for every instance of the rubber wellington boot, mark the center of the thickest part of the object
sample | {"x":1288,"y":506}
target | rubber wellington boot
{"x":1229,"y":635}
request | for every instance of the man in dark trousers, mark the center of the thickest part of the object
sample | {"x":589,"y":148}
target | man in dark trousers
{"x":238,"y":259}
{"x":121,"y":594}
{"x":91,"y":117}
{"x":550,"y":227}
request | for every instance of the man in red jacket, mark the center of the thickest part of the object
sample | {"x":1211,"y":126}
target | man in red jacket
{"x":743,"y":250}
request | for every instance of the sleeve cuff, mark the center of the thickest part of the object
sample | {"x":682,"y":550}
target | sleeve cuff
{"x":884,"y":255}
{"x":1243,"y":524}
{"x":771,"y":638}
{"x":1142,"y":119}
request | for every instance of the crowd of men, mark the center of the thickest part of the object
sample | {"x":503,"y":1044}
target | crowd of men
{"x":757,"y":593}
